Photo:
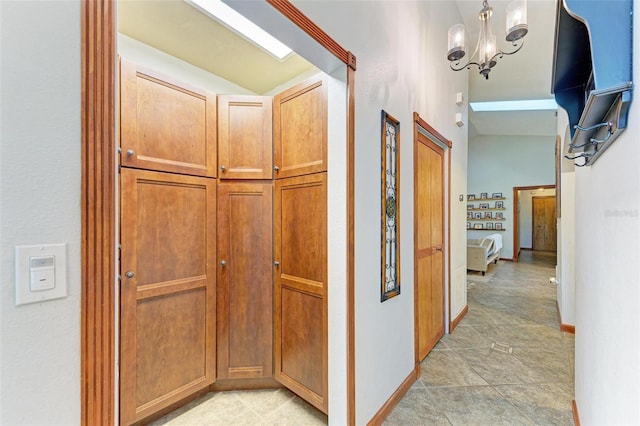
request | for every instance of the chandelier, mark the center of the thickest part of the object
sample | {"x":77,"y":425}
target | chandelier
{"x":486,"y":48}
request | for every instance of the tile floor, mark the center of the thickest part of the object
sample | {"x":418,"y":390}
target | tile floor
{"x":507,"y":363}
{"x":258,"y":407}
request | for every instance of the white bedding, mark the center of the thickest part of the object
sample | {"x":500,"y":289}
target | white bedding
{"x":497,"y":242}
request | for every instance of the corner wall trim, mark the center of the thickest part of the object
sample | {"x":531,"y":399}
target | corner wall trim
{"x":453,"y":324}
{"x":395,"y":398}
{"x":576,"y":417}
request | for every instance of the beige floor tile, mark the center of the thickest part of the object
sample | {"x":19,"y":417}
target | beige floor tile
{"x":446,"y":368}
{"x":416,"y":408}
{"x":477,"y":405}
{"x":548,"y":404}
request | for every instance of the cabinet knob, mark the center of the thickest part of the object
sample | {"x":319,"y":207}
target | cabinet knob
{"x":130,"y":274}
{"x":223,"y":168}
{"x":130,"y":153}
{"x":276,"y":168}
{"x":276,"y":263}
{"x":223,"y":263}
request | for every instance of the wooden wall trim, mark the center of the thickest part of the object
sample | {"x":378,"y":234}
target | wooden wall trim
{"x":434,"y":132}
{"x":98,"y":213}
{"x":567,"y":328}
{"x":351,"y":298}
{"x":448,"y":242}
{"x":576,"y":416}
{"x":453,"y":324}
{"x":306,"y":24}
{"x":395,"y":398}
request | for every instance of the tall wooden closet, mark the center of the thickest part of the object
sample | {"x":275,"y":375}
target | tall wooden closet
{"x":222,"y":280}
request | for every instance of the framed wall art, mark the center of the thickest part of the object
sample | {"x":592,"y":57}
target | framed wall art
{"x":390,"y":213}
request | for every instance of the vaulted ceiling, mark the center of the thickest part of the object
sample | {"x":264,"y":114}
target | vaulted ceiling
{"x":524,"y":75}
{"x":175,"y":27}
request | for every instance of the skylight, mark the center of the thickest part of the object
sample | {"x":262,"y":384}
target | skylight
{"x":241,"y":25}
{"x":526,"y":105}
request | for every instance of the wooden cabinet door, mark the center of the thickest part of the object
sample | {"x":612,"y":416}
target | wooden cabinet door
{"x":245,"y":280}
{"x":167,"y":292}
{"x":164,"y":124}
{"x":245,"y":147}
{"x":300,"y":129}
{"x":429,"y":242}
{"x":301,"y":287}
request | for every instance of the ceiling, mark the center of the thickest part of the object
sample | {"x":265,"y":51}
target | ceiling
{"x":175,"y":27}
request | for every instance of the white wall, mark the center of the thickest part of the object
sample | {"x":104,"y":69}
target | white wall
{"x":499,"y":163}
{"x":155,"y":59}
{"x":402,"y":68}
{"x":337,"y":246}
{"x":608,"y":277}
{"x":40,"y":198}
{"x":566,"y":268}
{"x":525,"y":220}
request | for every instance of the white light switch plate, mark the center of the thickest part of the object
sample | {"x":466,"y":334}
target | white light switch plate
{"x":26,"y":271}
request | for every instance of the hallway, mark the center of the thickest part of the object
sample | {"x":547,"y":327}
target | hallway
{"x":507,"y":362}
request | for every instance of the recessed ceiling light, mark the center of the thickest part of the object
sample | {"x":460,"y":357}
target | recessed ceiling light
{"x":525,"y":105}
{"x":241,"y":25}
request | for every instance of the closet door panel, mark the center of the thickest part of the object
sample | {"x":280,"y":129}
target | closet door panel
{"x":167,"y":292}
{"x":300,"y":129}
{"x":165,"y":125}
{"x":301,"y":287}
{"x":245,"y":147}
{"x":245,"y":280}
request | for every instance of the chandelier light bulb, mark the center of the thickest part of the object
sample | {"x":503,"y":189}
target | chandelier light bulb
{"x":456,"y":42}
{"x":516,"y":20}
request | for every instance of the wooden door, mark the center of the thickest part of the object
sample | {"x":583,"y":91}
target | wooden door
{"x":428,"y":244}
{"x":164,"y":124}
{"x":301,"y":287}
{"x":300,"y":129}
{"x":544,"y":223}
{"x":245,"y":148}
{"x":167,"y":292}
{"x":245,"y":280}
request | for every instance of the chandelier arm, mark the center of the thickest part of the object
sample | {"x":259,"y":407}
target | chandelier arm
{"x":467,"y":65}
{"x":500,"y":53}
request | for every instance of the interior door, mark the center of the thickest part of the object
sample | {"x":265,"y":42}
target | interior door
{"x":428,"y":244}
{"x":245,"y":148}
{"x":301,"y":287}
{"x":167,"y":292}
{"x":245,"y":280}
{"x":544,"y":223}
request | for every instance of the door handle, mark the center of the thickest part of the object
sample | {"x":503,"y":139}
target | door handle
{"x":223,"y":263}
{"x":439,"y":248}
{"x":130,"y":274}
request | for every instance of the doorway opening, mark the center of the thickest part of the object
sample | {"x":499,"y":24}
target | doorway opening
{"x":527,"y":222}
{"x":99,"y":303}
